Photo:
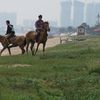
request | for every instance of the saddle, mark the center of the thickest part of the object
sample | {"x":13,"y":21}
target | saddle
{"x":37,"y":36}
{"x":11,"y":39}
{"x":38,"y":31}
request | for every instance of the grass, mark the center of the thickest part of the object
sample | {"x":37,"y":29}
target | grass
{"x":66,"y":72}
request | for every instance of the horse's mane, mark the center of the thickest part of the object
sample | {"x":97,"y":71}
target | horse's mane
{"x":46,"y":22}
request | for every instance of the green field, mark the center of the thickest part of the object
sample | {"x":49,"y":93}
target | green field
{"x":66,"y":72}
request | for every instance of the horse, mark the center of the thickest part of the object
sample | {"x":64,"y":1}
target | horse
{"x":31,"y":38}
{"x":14,"y":41}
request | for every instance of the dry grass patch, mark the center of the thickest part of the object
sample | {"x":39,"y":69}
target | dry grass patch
{"x":16,"y":65}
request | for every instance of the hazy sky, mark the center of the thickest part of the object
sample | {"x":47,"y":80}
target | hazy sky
{"x":30,"y":9}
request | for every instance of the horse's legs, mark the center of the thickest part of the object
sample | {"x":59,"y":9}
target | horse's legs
{"x":9,"y":50}
{"x":11,"y":47}
{"x":22,"y":48}
{"x":27,"y":45}
{"x":2,"y":50}
{"x":37,"y":47}
{"x":44,"y":46}
{"x":31,"y":47}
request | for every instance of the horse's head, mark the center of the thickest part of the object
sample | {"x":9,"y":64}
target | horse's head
{"x":46,"y":26}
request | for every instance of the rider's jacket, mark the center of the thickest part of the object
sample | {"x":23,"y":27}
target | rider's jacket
{"x":39,"y":24}
{"x":10,"y":29}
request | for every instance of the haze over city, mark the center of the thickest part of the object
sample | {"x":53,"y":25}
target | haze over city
{"x":30,"y":9}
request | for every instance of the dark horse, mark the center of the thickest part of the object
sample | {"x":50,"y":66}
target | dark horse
{"x":14,"y":41}
{"x":31,"y":38}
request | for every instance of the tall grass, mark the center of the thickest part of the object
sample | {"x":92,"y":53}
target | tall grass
{"x":66,"y":72}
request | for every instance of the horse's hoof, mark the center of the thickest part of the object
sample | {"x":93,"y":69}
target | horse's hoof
{"x":33,"y":54}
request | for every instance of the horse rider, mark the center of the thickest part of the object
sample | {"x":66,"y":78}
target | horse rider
{"x":10,"y":30}
{"x":39,"y":26}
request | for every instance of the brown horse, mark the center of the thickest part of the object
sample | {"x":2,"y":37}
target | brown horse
{"x":14,"y":41}
{"x":31,"y":38}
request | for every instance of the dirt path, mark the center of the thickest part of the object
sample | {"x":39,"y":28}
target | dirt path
{"x":51,"y":42}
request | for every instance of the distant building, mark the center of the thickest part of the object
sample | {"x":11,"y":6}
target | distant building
{"x":90,"y":14}
{"x":81,"y":30}
{"x":93,"y":9}
{"x":78,"y":13}
{"x":95,"y":30}
{"x":81,"y":12}
{"x":65,"y":13}
{"x":97,"y":12}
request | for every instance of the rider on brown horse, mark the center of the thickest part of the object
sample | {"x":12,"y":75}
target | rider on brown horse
{"x":10,"y":30}
{"x":39,"y":26}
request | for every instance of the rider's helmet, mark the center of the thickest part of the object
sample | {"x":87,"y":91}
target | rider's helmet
{"x":40,"y":16}
{"x":7,"y":21}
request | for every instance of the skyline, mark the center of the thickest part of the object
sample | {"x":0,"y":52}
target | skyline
{"x":30,"y":9}
{"x":79,"y":12}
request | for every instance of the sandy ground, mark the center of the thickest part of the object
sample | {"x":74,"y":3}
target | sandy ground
{"x":51,"y":42}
